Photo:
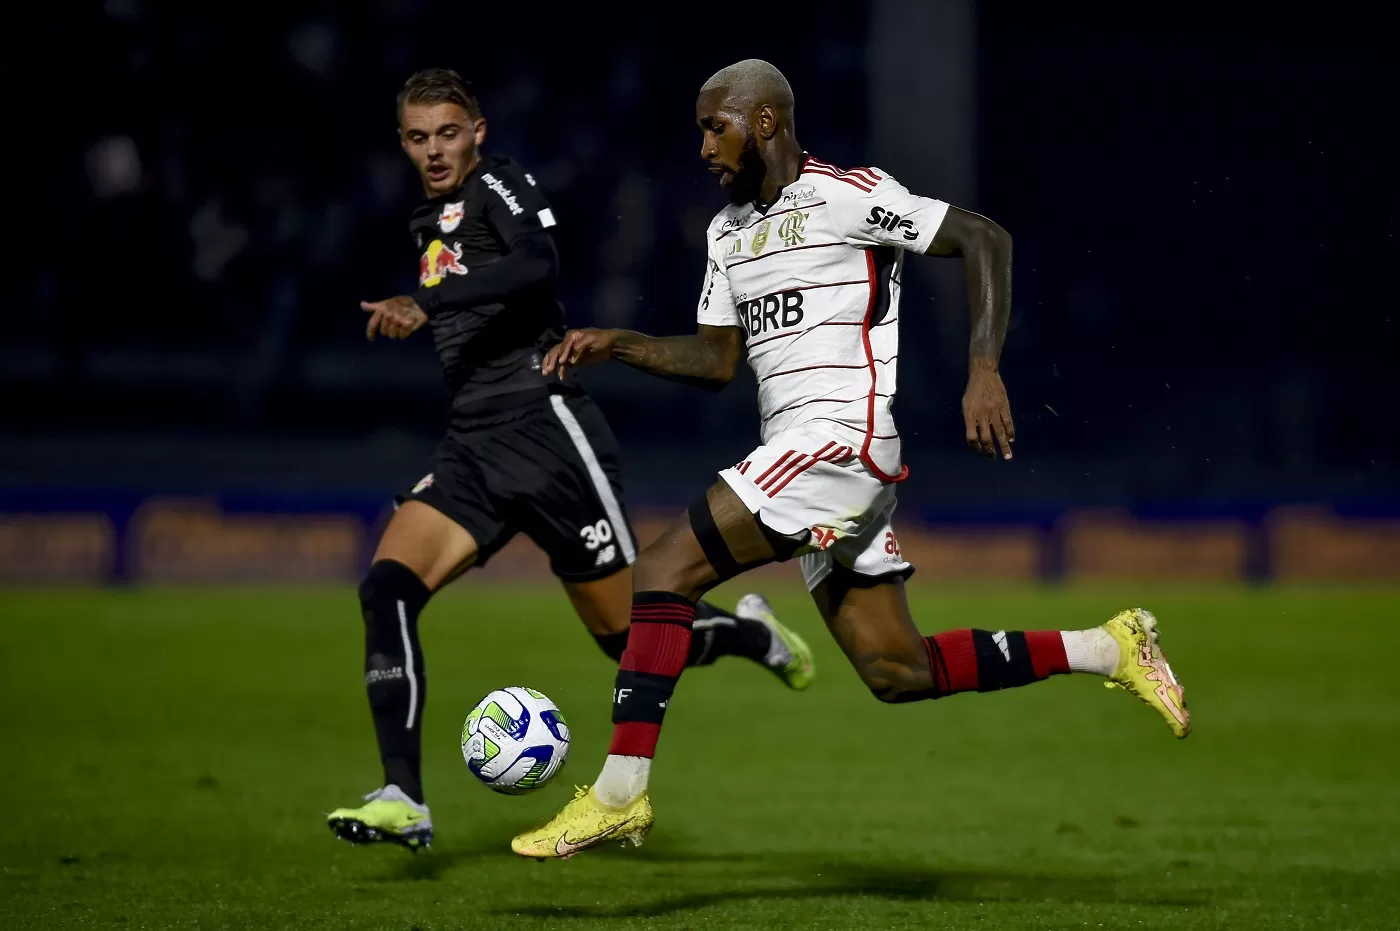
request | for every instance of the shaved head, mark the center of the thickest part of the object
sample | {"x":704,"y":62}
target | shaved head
{"x":745,"y":115}
{"x":753,"y":83}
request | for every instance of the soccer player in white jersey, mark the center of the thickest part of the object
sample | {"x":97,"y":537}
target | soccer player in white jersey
{"x":803,"y":277}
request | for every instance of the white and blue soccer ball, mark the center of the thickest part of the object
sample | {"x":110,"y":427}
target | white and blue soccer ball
{"x":515,"y":740}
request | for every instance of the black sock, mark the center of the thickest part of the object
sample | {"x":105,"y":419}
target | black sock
{"x":716,"y":633}
{"x":390,"y":598}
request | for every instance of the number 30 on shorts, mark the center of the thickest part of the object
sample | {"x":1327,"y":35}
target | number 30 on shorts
{"x":595,"y":535}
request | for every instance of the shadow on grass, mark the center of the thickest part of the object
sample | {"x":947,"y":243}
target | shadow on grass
{"x":434,"y":863}
{"x":796,"y":880}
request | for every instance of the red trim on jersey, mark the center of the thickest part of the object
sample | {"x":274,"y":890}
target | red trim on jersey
{"x":769,"y":216}
{"x":794,"y":464}
{"x":809,"y":368}
{"x":860,"y":430}
{"x":864,"y":178}
{"x":810,"y":287}
{"x":793,"y":407}
{"x":865,"y":456}
{"x":861,"y":184}
{"x":791,"y":463}
{"x":769,"y":339}
{"x":835,"y":455}
{"x":790,"y":452}
{"x":769,"y":255}
{"x":866,"y":174}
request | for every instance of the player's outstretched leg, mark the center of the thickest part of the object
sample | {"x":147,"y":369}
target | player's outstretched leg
{"x":715,"y":541}
{"x":421,"y":550}
{"x":870,"y":620}
{"x":751,"y":631}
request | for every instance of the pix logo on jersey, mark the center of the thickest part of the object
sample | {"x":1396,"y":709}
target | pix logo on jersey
{"x":451,"y":216}
{"x":440,"y":259}
{"x":889,"y":220}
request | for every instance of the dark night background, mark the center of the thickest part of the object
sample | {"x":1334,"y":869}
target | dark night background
{"x":1203,"y":205}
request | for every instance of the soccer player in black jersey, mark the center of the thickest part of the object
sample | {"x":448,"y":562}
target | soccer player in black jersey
{"x":523,"y":453}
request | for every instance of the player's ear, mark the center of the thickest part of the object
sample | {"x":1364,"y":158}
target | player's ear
{"x":479,"y":131}
{"x":767,"y":122}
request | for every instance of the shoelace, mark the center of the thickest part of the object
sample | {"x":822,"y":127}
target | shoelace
{"x":580,"y":792}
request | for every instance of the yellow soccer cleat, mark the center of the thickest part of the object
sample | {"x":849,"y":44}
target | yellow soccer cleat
{"x":1143,"y":669}
{"x":388,"y":815}
{"x":586,"y":822}
{"x":791,"y":658}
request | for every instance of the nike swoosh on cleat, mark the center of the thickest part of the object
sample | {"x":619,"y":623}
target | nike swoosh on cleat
{"x":565,"y":848}
{"x":1167,"y":689}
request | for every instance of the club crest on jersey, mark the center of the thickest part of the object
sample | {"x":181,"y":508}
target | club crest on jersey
{"x":760,"y":236}
{"x":793,"y":228}
{"x":451,"y":216}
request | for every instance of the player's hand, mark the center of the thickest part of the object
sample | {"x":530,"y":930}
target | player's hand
{"x":987,"y":412}
{"x":396,"y":318}
{"x":579,"y":348}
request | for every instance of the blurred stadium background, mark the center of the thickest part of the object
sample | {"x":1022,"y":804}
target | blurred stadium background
{"x":1203,"y":366}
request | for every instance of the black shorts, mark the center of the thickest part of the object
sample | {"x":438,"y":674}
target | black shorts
{"x":553,"y":474}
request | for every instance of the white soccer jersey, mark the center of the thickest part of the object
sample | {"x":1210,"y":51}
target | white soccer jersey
{"x":814,"y":282}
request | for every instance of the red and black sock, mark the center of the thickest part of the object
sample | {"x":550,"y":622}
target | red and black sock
{"x":658,"y":645}
{"x":982,"y":661}
{"x":716,"y":633}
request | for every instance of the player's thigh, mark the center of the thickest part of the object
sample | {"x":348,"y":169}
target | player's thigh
{"x":715,"y":540}
{"x":604,"y":605}
{"x":427,"y":541}
{"x":857,"y":582}
{"x":870,"y":620}
{"x":564,"y":477}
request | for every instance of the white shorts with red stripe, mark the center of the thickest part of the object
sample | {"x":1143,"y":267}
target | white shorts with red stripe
{"x":805,"y":480}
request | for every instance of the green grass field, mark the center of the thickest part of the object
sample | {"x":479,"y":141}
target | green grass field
{"x":169,"y":754}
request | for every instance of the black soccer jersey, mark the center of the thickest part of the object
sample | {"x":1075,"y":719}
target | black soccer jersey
{"x":491,"y":328}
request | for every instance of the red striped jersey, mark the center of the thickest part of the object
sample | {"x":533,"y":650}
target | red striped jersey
{"x":814,"y":280}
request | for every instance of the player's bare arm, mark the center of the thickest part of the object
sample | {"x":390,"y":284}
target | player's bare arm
{"x":397,"y":318}
{"x":985,"y":249}
{"x":706,"y":360}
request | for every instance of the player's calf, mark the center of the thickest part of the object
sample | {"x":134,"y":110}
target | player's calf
{"x":894,"y":678}
{"x":391,"y":597}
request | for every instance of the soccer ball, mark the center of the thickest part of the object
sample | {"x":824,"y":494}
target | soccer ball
{"x":515,"y":740}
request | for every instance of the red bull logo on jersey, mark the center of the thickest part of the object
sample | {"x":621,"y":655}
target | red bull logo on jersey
{"x":451,"y":216}
{"x":438,"y":260}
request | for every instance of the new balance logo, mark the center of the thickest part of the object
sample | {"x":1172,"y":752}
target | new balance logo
{"x":606,"y":555}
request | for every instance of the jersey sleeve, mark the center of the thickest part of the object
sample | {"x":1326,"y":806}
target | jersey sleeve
{"x":515,"y":206}
{"x":716,"y":306}
{"x":887,"y":215}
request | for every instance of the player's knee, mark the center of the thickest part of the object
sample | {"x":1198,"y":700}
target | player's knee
{"x":390,"y":594}
{"x":656,"y":571}
{"x":612,"y":645}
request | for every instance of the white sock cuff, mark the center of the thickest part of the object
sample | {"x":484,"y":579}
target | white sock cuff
{"x":1092,"y":650}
